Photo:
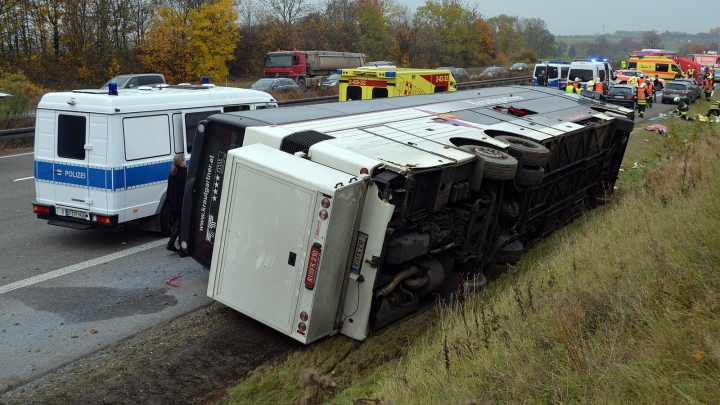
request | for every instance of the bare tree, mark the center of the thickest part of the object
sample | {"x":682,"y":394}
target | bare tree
{"x":602,"y":45}
{"x":651,"y":39}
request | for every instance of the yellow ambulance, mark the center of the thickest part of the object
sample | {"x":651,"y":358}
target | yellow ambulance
{"x":369,"y":82}
{"x":662,"y":66}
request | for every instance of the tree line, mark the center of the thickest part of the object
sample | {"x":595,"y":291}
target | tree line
{"x":60,"y":44}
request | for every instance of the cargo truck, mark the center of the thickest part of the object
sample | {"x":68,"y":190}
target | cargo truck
{"x":350,"y":217}
{"x":307,"y":68}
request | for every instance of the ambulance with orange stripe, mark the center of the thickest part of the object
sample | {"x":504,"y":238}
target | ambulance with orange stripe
{"x":369,"y":82}
{"x":662,"y":66}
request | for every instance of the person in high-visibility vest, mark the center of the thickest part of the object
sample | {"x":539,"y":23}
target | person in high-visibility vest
{"x":641,"y":79}
{"x":570,"y":88}
{"x":590,"y":85}
{"x":683,"y":109}
{"x":641,"y":98}
{"x":691,"y":72}
{"x":714,"y":110}
{"x":649,"y":92}
{"x":577,"y":85}
{"x":623,"y":64}
{"x":599,"y":86}
{"x":708,"y":88}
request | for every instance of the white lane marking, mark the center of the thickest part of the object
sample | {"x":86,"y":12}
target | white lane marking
{"x":79,"y":266}
{"x":25,"y":178}
{"x":19,"y":154}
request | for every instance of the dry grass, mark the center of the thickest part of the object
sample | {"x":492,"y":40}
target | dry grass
{"x":621,"y":306}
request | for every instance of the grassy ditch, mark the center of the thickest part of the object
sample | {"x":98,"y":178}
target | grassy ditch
{"x":622,"y":306}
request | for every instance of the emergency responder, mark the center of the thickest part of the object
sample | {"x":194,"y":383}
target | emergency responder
{"x":570,"y":88}
{"x":682,"y":109}
{"x":577,"y":85}
{"x":708,"y":88}
{"x":623,"y":64}
{"x":599,"y":86}
{"x":590,"y":85}
{"x":640,"y":79}
{"x":714,"y":110}
{"x":691,"y":72}
{"x":649,"y":92}
{"x":641,"y":99}
{"x":542,"y":79}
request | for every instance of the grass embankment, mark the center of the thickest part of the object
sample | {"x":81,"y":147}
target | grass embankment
{"x":622,"y":306}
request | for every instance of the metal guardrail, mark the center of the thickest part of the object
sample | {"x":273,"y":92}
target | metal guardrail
{"x":28,"y":132}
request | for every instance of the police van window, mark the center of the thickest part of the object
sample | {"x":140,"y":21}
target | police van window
{"x":146,"y":137}
{"x":601,"y":75}
{"x":538,"y":69}
{"x":379,"y":92}
{"x":552,"y":72}
{"x":354,"y":93}
{"x":564,"y":71}
{"x":662,"y":67}
{"x":231,"y":108}
{"x":191,"y":122}
{"x":177,"y":122}
{"x":585,"y":75}
{"x":71,"y":137}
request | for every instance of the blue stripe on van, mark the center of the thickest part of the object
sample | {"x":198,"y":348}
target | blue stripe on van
{"x":114,"y":179}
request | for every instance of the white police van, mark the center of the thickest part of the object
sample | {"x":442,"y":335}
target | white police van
{"x":556,"y":72}
{"x":590,"y":69}
{"x":102,"y":157}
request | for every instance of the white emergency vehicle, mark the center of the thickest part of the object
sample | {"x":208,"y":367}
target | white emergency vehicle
{"x":102,"y":157}
{"x":350,"y":217}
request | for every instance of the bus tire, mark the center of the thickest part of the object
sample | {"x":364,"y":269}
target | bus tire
{"x":533,"y":154}
{"x":510,"y":253}
{"x":529,"y":176}
{"x":498,"y":164}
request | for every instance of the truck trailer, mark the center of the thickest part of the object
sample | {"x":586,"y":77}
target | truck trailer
{"x":350,"y":217}
{"x":307,"y":68}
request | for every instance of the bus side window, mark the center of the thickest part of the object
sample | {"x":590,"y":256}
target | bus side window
{"x":231,"y":108}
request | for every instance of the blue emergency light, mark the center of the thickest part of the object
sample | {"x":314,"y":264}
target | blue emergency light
{"x":206,"y":80}
{"x":390,"y":74}
{"x":112,"y":89}
{"x":339,"y":71}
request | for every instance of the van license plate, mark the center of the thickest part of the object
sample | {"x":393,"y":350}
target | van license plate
{"x":359,"y":253}
{"x":77,"y":214}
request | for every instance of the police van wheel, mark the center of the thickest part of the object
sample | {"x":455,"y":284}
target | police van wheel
{"x":167,"y":219}
{"x":533,"y":154}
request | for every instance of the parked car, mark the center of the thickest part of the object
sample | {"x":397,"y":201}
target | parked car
{"x":280,"y":84}
{"x":696,"y":87}
{"x":622,"y":94}
{"x":494,"y":71}
{"x":131,"y":81}
{"x":459,"y":74}
{"x":680,"y":89}
{"x":329,"y":82}
{"x":519,"y":67}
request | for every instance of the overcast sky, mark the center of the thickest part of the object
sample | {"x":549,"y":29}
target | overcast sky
{"x":572,"y":17}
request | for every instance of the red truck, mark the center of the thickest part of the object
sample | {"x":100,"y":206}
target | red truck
{"x":308,"y":67}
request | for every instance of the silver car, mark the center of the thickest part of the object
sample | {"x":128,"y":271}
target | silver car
{"x":680,"y":89}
